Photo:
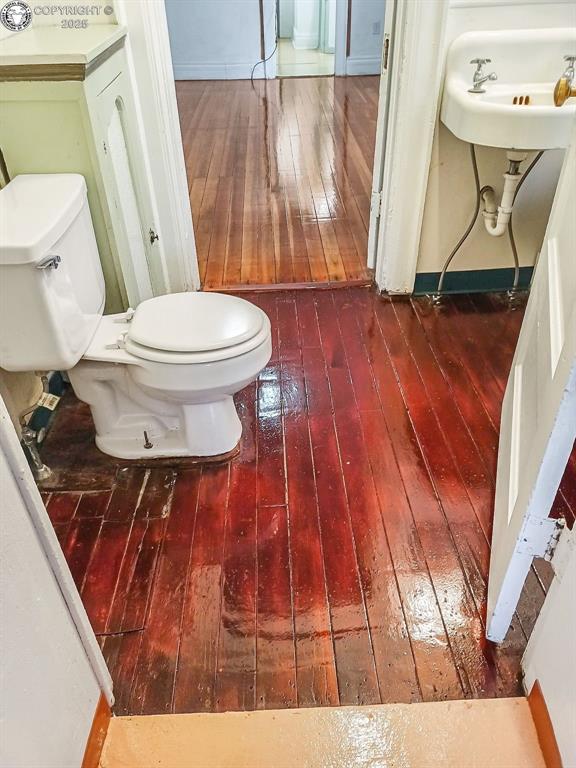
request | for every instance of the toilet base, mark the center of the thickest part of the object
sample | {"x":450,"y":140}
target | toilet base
{"x":131,"y":424}
{"x":207,"y":430}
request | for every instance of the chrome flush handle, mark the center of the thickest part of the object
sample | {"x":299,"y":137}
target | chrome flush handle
{"x":49,"y":262}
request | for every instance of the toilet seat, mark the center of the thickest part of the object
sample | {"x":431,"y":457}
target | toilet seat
{"x":194,"y":322}
{"x":191,"y":358}
{"x":188,"y":328}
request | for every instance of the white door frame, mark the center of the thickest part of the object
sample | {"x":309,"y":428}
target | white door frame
{"x":417,"y":68}
{"x":152,"y":78}
{"x":381,"y":129}
{"x":10,"y":446}
{"x":416,"y":76}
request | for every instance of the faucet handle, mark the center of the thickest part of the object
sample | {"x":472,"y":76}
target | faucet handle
{"x":480,"y":62}
{"x":569,"y":71}
{"x":564,"y":88}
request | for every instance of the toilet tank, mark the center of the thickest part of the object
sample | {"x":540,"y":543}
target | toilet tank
{"x":51,"y":283}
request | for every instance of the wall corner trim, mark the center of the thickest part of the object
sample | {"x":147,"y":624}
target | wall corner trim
{"x":544,"y":728}
{"x":97,"y":735}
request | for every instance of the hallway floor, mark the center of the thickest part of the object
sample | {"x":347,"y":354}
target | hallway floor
{"x":297,"y":62}
{"x":342,"y":556}
{"x":280,"y":176}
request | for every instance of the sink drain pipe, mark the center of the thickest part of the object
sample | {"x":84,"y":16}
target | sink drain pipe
{"x":497,"y":218}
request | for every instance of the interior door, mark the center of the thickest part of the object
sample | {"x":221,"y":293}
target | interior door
{"x":381,"y":130}
{"x":538,"y":424}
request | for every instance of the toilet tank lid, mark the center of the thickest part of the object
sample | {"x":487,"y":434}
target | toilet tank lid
{"x":35,"y":211}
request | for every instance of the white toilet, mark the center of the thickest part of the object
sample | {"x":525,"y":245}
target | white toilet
{"x":160,"y":379}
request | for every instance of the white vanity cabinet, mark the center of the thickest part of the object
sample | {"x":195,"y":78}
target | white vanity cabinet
{"x":66,"y":106}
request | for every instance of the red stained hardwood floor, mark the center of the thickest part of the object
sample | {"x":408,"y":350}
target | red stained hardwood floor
{"x":342,"y":556}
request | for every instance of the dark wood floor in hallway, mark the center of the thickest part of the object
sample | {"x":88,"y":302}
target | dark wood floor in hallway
{"x":280,"y":175}
{"x":342,"y":556}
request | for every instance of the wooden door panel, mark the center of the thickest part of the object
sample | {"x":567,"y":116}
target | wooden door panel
{"x":538,"y":424}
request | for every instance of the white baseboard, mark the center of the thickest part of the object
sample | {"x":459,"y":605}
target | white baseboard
{"x":209,"y":71}
{"x":363,"y":65}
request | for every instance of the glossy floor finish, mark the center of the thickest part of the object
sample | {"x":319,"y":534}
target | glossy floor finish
{"x":342,"y":556}
{"x":280,"y":176}
{"x":295,"y":62}
{"x":455,"y":734}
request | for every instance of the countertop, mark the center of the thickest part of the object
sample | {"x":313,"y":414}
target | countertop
{"x":47,"y":45}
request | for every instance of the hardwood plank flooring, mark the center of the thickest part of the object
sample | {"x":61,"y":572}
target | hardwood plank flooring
{"x":280,"y":176}
{"x":341,"y":557}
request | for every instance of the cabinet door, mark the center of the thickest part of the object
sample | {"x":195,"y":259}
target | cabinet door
{"x":126,"y":182}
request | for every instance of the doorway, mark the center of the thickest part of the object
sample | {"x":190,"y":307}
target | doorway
{"x":306,"y":37}
{"x":279,"y":151}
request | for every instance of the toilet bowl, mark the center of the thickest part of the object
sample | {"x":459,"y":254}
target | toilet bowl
{"x":160,"y":379}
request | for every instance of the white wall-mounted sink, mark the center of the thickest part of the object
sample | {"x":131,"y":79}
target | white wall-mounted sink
{"x":516,"y":111}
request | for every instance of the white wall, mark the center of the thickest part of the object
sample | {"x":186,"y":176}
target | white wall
{"x":549,"y":656}
{"x":49,"y":691}
{"x":366,"y":35}
{"x":306,"y":32}
{"x":450,"y":195}
{"x":330,"y":24}
{"x":219,"y":39}
{"x":468,"y":15}
{"x":286,"y":18}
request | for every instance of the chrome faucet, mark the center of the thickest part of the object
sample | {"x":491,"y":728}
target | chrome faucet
{"x":479,"y":78}
{"x":566,"y":85}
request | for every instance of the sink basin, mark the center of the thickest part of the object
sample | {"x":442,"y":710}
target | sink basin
{"x":517,"y":111}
